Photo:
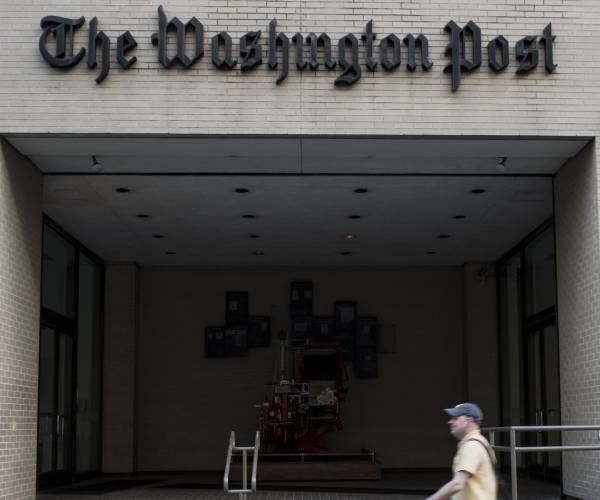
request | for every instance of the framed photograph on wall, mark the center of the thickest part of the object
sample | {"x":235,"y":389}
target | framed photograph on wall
{"x":214,"y":342}
{"x":236,"y":341}
{"x":259,"y":331}
{"x":345,"y":316}
{"x":236,"y":307}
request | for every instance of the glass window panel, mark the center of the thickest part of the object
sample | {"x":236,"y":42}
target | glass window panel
{"x":541,"y":279}
{"x":88,"y":365}
{"x":58,"y":274}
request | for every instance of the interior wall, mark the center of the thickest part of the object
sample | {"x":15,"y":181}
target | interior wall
{"x":187,"y":404}
{"x":481,"y":339}
{"x":119,"y":367}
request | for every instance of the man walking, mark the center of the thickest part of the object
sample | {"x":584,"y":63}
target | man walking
{"x":473,"y":477}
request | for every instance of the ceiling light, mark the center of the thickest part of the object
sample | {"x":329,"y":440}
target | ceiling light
{"x":431,"y":253}
{"x":122,"y":190}
{"x":458,"y":217}
{"x":361,"y":190}
{"x":258,"y":252}
{"x":96,"y":165}
{"x":349,"y":236}
{"x":142,"y":216}
{"x":345,"y":253}
{"x":242,"y":190}
{"x":443,"y":236}
{"x":354,"y":217}
{"x":501,"y":165}
{"x":254,"y":236}
{"x":158,"y":236}
{"x":478,"y":191}
{"x":171,"y":253}
{"x":248,"y":216}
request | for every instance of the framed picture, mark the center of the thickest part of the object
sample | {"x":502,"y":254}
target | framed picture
{"x":345,"y":316}
{"x":367,"y":331}
{"x":236,"y":341}
{"x":236,"y":307}
{"x":259,"y":331}
{"x":301,"y":328}
{"x":301,"y":298}
{"x":214,"y":342}
{"x":322,"y":328}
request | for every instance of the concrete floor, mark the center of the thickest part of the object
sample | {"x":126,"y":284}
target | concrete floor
{"x":207,"y":487}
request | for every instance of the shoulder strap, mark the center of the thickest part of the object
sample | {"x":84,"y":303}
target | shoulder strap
{"x":487,"y":449}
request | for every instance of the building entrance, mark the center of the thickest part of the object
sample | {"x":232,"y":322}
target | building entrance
{"x":55,"y":422}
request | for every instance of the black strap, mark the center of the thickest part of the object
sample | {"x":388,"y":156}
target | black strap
{"x":487,"y":449}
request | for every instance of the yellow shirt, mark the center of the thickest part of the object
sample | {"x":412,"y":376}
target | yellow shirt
{"x":473,"y":458}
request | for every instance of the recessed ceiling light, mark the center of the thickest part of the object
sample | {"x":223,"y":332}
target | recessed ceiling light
{"x":458,"y":217}
{"x":122,"y":190}
{"x":232,"y":156}
{"x":254,"y":236}
{"x":345,"y":253}
{"x":242,"y":190}
{"x":349,"y":236}
{"x":248,"y":216}
{"x":431,"y":253}
{"x":142,"y":216}
{"x":258,"y":252}
{"x":478,"y":191}
{"x":361,"y":190}
{"x":171,"y":253}
{"x":158,"y":236}
{"x":354,"y":217}
{"x":443,"y":236}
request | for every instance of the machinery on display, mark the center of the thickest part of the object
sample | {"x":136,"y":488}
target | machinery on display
{"x":304,"y":408}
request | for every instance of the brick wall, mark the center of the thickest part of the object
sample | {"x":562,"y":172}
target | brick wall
{"x":203,"y":100}
{"x":20,"y":264}
{"x":578,"y":274}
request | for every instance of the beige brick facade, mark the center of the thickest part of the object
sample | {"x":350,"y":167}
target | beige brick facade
{"x":20,"y":263}
{"x":148,"y":98}
{"x":578,"y":253}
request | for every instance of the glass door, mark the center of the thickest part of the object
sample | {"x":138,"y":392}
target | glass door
{"x":55,"y":422}
{"x":543,"y":403}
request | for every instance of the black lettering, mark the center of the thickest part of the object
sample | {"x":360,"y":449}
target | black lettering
{"x":160,"y":38}
{"x":383,"y":52}
{"x":95,"y":38}
{"x":457,"y":50}
{"x":526,"y":54}
{"x":227,"y":61}
{"x":59,"y":26}
{"x":314,"y":41}
{"x":498,"y":44}
{"x":368,"y":36}
{"x":548,"y":41}
{"x":125,"y":43}
{"x":282,"y":40}
{"x":298,"y":40}
{"x":412,"y":43}
{"x":250,"y":50}
{"x":351,"y":69}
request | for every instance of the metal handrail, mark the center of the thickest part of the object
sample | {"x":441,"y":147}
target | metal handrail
{"x":513,"y":449}
{"x":244,"y":449}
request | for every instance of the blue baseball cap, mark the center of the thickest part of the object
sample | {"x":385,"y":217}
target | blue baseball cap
{"x":466,"y":409}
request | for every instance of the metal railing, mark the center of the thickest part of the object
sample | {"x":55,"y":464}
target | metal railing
{"x":513,"y":449}
{"x":243,"y":492}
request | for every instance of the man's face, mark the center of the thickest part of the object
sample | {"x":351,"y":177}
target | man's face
{"x":459,"y":426}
